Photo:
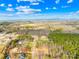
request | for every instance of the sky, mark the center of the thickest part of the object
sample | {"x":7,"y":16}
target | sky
{"x":39,"y":9}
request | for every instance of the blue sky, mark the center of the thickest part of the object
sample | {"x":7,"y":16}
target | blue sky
{"x":39,"y":9}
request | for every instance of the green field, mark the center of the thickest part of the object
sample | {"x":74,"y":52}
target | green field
{"x":69,"y":42}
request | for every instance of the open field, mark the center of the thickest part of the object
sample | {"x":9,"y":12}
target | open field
{"x":39,"y":40}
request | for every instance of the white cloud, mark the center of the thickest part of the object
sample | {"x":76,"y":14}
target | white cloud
{"x":57,"y":1}
{"x":19,"y":13}
{"x":74,"y":13}
{"x":54,"y":8}
{"x":30,"y":0}
{"x":10,"y":9}
{"x":26,"y":10}
{"x":46,"y":8}
{"x":22,"y":7}
{"x":9,"y":15}
{"x":30,"y":10}
{"x":77,"y":12}
{"x":2,"y":5}
{"x":65,"y":6}
{"x":9,"y":5}
{"x":18,"y":1}
{"x":69,"y":1}
{"x":6,"y":14}
{"x":34,"y":3}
